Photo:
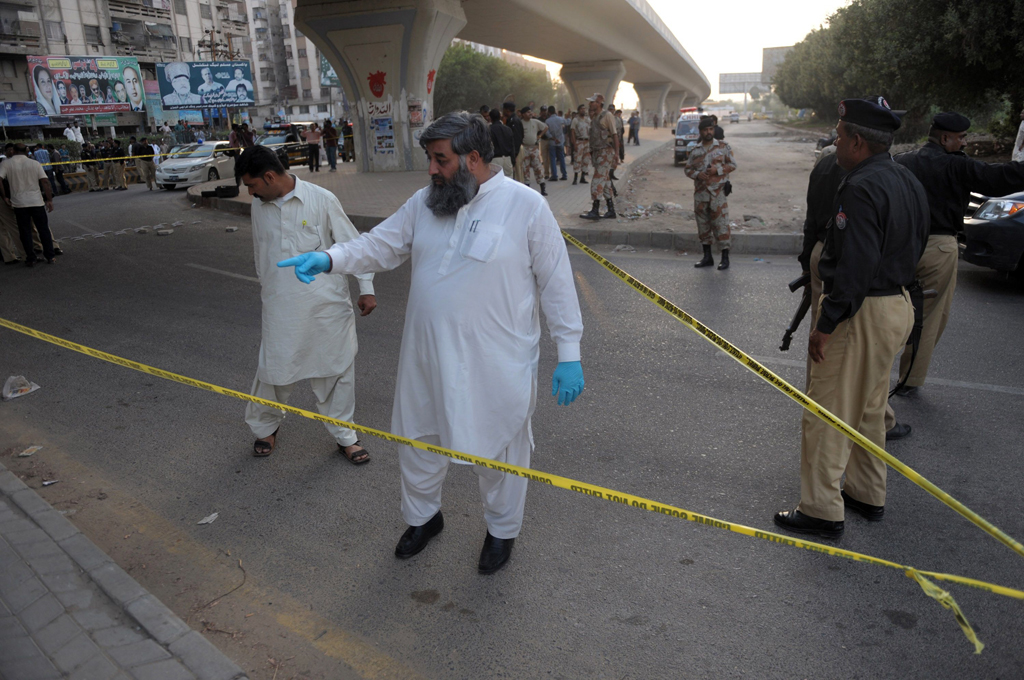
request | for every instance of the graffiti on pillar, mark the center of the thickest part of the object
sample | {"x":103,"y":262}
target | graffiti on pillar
{"x":430,"y":80}
{"x":415,"y":113}
{"x":377,"y":83}
{"x":379,"y":109}
{"x":384,"y":135}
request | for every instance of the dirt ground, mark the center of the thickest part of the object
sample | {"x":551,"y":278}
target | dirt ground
{"x":769,"y":185}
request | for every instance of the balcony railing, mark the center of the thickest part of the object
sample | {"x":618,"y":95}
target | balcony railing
{"x":131,"y":8}
{"x":19,"y":41}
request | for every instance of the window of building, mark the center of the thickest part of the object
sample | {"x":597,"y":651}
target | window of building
{"x":179,"y":7}
{"x":288,"y":51}
{"x":264,"y":57}
{"x":266,"y":74}
{"x":92,"y":34}
{"x":7,"y":69}
{"x":186,"y":44}
{"x":299,"y":34}
{"x":54,"y":30}
{"x":302,"y":52}
{"x":325,"y":92}
{"x":286,"y":31}
{"x":304,"y":72}
{"x":204,"y":11}
{"x":303,"y":109}
{"x":321,"y":108}
{"x":307,"y":94}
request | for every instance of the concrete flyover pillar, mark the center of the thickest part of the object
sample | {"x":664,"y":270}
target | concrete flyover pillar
{"x":652,"y":101}
{"x":673,"y":102}
{"x":386,"y":54}
{"x":583,"y":79}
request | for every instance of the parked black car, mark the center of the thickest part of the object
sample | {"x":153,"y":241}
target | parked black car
{"x":994,"y":232}
{"x":286,"y":139}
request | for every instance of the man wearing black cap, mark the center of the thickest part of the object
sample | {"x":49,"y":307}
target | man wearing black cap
{"x":709,"y":165}
{"x":948,"y":177}
{"x":509,"y":117}
{"x":876,"y":236}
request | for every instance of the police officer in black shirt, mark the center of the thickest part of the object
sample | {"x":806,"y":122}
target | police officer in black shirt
{"x":511,"y":120}
{"x":948,"y":176}
{"x":876,"y":236}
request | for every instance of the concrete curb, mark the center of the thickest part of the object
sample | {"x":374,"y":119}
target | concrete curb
{"x":742,"y":243}
{"x":197,"y":653}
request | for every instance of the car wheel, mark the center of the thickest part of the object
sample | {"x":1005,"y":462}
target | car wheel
{"x":169,"y":186}
{"x":214,"y":175}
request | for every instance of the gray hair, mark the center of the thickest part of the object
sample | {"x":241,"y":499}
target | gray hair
{"x":467,"y":131}
{"x":876,"y":139}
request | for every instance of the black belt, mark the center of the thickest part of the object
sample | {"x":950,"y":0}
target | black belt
{"x":882,"y":292}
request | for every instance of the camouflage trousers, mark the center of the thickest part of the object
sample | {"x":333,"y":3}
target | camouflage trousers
{"x":711,"y":211}
{"x":600,"y":183}
{"x":531,"y":161}
{"x":581,"y":159}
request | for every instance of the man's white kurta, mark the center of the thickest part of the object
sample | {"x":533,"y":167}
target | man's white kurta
{"x":467,"y":371}
{"x":308,"y":330}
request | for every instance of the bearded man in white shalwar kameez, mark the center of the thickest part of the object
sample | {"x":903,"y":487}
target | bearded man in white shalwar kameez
{"x":309,"y":332}
{"x":487,"y":256}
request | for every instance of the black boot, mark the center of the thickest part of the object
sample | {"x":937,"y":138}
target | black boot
{"x":575,"y":178}
{"x":611,"y":174}
{"x":611,"y":209}
{"x":594,"y":213}
{"x":708,"y":261}
{"x":724,"y":264}
{"x":543,"y":190}
{"x":583,"y":178}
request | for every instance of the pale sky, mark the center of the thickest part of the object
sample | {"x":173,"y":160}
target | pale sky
{"x":727,"y":37}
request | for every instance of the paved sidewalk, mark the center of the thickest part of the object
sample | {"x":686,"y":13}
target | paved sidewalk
{"x":67,"y":611}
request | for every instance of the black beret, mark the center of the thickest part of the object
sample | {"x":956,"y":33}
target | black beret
{"x":951,"y":121}
{"x":873,"y":113}
{"x":706,"y":122}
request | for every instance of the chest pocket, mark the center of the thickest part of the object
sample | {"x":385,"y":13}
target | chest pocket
{"x":307,"y":238}
{"x":480,"y":241}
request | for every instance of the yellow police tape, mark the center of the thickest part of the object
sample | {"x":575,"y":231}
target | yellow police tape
{"x":801,"y":398}
{"x":921,"y":577}
{"x":154,"y":155}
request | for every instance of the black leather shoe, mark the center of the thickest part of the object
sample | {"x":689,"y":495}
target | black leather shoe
{"x":799,"y":523}
{"x":872,"y":513}
{"x":898,"y":431}
{"x":495,"y":553}
{"x":415,"y":539}
{"x":906,"y":391}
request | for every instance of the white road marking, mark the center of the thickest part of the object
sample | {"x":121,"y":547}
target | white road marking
{"x":1003,"y":389}
{"x":213,"y":270}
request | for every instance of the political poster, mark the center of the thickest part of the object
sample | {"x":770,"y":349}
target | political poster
{"x":69,"y":86}
{"x":22,"y":114}
{"x":328,"y":78}
{"x":205,"y":84}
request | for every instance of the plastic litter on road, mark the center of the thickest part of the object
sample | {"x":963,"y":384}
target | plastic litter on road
{"x":29,"y":451}
{"x":18,"y":386}
{"x":209,"y":519}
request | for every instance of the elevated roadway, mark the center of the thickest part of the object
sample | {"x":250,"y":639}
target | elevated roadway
{"x":387,"y":52}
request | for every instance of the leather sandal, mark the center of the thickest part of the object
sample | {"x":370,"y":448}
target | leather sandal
{"x":262,"y":448}
{"x":356,"y":457}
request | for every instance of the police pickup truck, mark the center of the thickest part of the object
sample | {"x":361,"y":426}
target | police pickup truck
{"x":286,"y":140}
{"x":686,"y":133}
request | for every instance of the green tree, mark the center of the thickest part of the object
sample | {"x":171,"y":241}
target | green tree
{"x":467,"y":79}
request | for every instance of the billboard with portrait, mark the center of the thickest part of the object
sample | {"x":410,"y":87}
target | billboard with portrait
{"x":69,"y":86}
{"x":205,"y":84}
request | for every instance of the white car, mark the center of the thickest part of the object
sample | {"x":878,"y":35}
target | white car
{"x":195,"y":164}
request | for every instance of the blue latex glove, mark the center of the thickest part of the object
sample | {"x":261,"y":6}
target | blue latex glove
{"x":567,"y":382}
{"x":308,"y":264}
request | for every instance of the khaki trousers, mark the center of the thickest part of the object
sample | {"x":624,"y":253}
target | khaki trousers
{"x":503,"y":495}
{"x":545,"y":156}
{"x":92,"y":176}
{"x":119,"y":176}
{"x":506,"y":165}
{"x":853,"y":384}
{"x":936,"y":271}
{"x":815,"y":301}
{"x":517,"y":169}
{"x":335,"y":398}
{"x":147,"y":172}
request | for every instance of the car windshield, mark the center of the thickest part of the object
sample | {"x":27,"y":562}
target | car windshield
{"x":197,"y":151}
{"x":686,"y":127}
{"x":271,"y":138}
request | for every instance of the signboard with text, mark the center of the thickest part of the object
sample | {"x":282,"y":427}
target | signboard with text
{"x":21,"y":114}
{"x":69,"y":86}
{"x":328,"y":78}
{"x":204,"y":84}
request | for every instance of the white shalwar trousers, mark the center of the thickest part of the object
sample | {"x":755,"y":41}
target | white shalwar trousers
{"x":335,"y":398}
{"x":503,"y":495}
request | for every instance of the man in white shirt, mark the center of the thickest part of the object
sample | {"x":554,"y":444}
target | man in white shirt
{"x":30,"y":192}
{"x":487,"y":256}
{"x":309,"y":332}
{"x":1018,"y":145}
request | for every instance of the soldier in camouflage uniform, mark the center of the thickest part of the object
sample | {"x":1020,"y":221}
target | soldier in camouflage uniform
{"x":580,"y":134}
{"x":604,"y":152}
{"x":709,"y":165}
{"x":533,"y":132}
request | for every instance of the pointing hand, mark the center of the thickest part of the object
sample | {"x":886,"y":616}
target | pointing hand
{"x":567,"y":382}
{"x":308,"y":264}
